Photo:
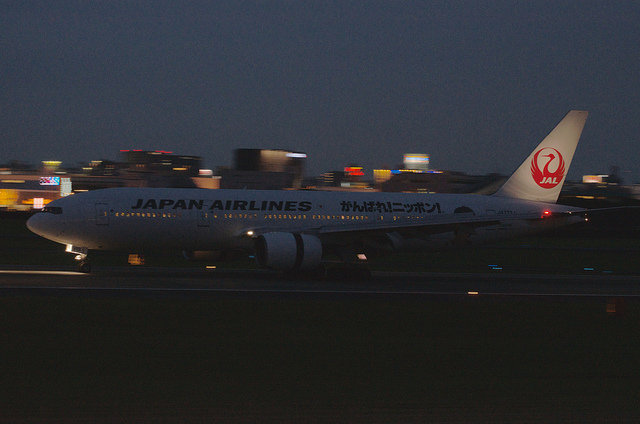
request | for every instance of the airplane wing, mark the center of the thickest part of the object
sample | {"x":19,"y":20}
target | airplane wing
{"x":427,"y":226}
{"x":432,"y":225}
{"x":380,"y":234}
{"x":383,"y":236}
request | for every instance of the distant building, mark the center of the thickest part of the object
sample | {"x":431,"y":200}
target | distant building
{"x":417,"y":177}
{"x":413,"y":163}
{"x":255,"y":180}
{"x":353,"y":176}
{"x":161,"y":162}
{"x":418,"y":161}
{"x":333,"y":178}
{"x":263,"y":169}
{"x":437,"y":182}
{"x":269,"y":160}
{"x":599,"y":191}
{"x":160,"y":168}
{"x":25,"y":187}
{"x":24,"y":192}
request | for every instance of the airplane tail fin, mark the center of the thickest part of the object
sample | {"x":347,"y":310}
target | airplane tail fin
{"x":541,"y":175}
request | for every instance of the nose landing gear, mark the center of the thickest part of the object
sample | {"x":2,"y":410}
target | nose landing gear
{"x":81,"y":256}
{"x":84,"y":267}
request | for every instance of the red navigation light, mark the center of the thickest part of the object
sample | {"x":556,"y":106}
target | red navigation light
{"x":546,"y":213}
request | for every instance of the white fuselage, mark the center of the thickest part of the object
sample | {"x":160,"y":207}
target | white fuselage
{"x":131,"y":219}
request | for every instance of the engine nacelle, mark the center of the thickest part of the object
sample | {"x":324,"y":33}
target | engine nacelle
{"x":287,"y":251}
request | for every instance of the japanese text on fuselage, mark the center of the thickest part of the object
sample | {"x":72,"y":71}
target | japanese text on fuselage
{"x":390,"y":207}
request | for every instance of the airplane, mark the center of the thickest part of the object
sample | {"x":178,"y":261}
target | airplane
{"x":294,"y":230}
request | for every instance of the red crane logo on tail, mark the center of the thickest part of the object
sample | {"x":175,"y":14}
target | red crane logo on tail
{"x":546,"y":178}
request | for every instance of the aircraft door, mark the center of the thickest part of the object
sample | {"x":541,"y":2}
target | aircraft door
{"x":203,"y":218}
{"x":102,"y":214}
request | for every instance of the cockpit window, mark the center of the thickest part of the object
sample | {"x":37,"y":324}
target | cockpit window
{"x":52,"y":209}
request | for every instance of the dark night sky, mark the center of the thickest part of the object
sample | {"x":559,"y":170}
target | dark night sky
{"x":474,"y":84}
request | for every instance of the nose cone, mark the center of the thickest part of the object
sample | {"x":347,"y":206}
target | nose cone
{"x":37,"y":224}
{"x":47,"y":225}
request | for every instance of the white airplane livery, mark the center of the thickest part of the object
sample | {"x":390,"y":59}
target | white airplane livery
{"x":294,"y":230}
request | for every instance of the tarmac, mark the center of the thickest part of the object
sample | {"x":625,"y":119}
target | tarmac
{"x":140,"y":281}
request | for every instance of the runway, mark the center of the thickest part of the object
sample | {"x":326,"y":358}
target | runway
{"x":125,"y":281}
{"x":203,"y":345}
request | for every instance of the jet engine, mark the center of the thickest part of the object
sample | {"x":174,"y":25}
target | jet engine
{"x":287,"y":251}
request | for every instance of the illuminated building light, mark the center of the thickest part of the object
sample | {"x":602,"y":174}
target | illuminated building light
{"x":135,"y":259}
{"x":65,"y":187}
{"x":594,"y":179}
{"x":407,"y":171}
{"x":416,"y":161}
{"x":362,"y":256}
{"x":354,"y":171}
{"x":50,"y":181}
{"x":38,"y":203}
{"x":296,"y":155}
{"x":473,"y":293}
{"x":381,"y":175}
